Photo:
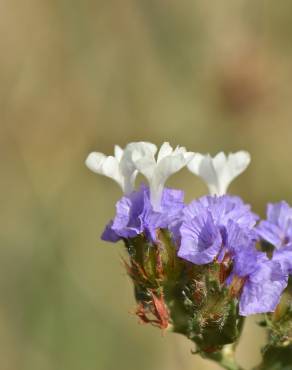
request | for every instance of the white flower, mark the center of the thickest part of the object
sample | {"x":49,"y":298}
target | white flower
{"x":157,"y":171}
{"x":218,"y":172}
{"x":120,"y":168}
{"x":140,"y":156}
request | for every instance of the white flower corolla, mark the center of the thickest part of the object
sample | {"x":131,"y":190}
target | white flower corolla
{"x":134,"y":151}
{"x":157,"y":171}
{"x":219,"y":171}
{"x":120,"y":167}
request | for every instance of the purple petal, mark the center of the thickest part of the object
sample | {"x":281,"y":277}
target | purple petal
{"x":135,"y":215}
{"x":238,"y":239}
{"x":272,"y":233}
{"x":214,"y":225}
{"x":263,"y":288}
{"x":277,"y":229}
{"x":284,"y":257}
{"x":201,"y":240}
{"x":109,"y":235}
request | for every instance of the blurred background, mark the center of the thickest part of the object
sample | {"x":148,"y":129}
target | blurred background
{"x":77,"y":76}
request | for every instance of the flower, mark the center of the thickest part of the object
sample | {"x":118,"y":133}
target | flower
{"x":219,"y":171}
{"x":213,"y":226}
{"x":157,"y":171}
{"x":277,"y":230}
{"x":222,"y":229}
{"x":262,"y":281}
{"x":135,"y":215}
{"x":120,"y":168}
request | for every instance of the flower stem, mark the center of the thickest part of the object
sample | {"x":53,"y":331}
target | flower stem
{"x":225,"y":358}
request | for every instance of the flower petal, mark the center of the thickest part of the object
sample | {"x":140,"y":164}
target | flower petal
{"x":135,"y":215}
{"x":103,"y":165}
{"x":201,"y":240}
{"x":165,"y":150}
{"x":118,"y":152}
{"x":284,"y":257}
{"x":236,"y":163}
{"x":262,"y":291}
{"x":202,"y":165}
{"x":218,"y":172}
{"x":157,"y":172}
{"x":277,"y":229}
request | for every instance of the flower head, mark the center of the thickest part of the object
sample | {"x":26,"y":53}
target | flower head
{"x":216,"y":228}
{"x":135,"y":215}
{"x":219,"y":171}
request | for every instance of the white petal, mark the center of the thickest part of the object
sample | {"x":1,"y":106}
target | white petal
{"x":146,"y":166}
{"x":141,"y":148}
{"x":179,"y":150}
{"x":141,"y":154}
{"x":107,"y":166}
{"x":202,"y":165}
{"x":219,"y":162}
{"x":218,"y":172}
{"x":170,"y":165}
{"x":164,"y":151}
{"x":238,"y":162}
{"x":189,"y":156}
{"x":94,"y":162}
{"x":166,"y":167}
{"x":195,"y":164}
{"x":128,"y":172}
{"x":220,"y":165}
{"x":132,"y":153}
{"x":118,"y":152}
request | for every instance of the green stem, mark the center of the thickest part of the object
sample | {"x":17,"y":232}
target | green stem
{"x":225,"y":358}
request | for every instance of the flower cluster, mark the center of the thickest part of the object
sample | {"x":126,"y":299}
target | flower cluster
{"x":214,"y":230}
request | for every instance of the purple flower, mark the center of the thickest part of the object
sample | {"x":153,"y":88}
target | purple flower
{"x":135,"y":215}
{"x":277,"y":229}
{"x":284,"y":257}
{"x":213,"y":226}
{"x":218,"y":227}
{"x":201,"y":239}
{"x":262,"y":281}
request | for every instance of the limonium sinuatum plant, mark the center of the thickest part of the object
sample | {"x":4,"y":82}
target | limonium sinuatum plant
{"x":199,"y":269}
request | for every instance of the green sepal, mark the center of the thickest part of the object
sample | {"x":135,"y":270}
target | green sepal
{"x":189,"y":299}
{"x":276,"y":358}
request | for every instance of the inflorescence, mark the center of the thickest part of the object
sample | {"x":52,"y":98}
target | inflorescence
{"x":195,"y":267}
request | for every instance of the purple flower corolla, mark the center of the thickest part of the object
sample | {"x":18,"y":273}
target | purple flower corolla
{"x":277,"y":229}
{"x":213,"y":226}
{"x":135,"y":215}
{"x":262,"y":281}
{"x":284,"y":257}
